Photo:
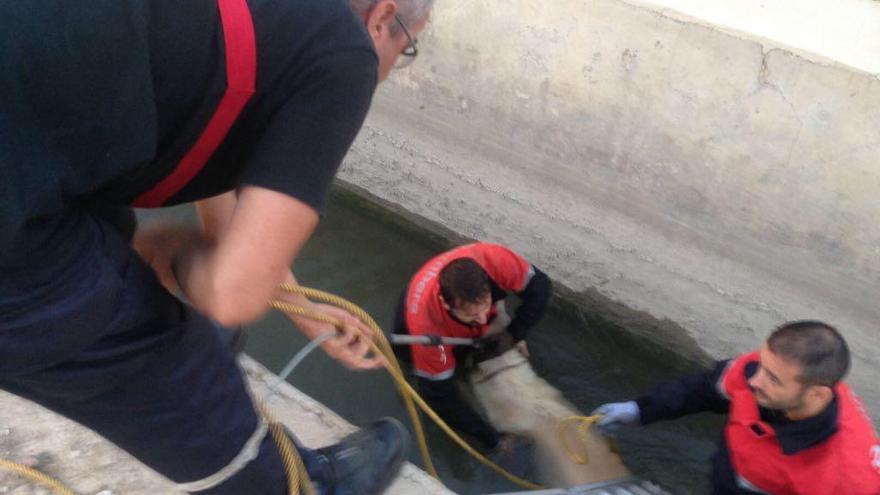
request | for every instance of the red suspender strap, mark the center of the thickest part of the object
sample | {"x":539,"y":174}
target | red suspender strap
{"x":241,"y":74}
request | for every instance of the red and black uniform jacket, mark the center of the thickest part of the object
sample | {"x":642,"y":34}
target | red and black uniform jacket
{"x":104,"y":104}
{"x":763,"y":452}
{"x":422,"y":313}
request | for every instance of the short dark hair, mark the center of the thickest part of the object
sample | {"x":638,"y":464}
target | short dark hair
{"x":816,"y":346}
{"x":463,"y":281}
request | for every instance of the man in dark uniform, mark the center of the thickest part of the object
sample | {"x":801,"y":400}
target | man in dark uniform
{"x":460,"y":293}
{"x":244,"y":106}
{"x":794,"y":427}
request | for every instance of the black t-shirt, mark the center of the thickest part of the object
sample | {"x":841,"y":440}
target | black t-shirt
{"x":100,"y":99}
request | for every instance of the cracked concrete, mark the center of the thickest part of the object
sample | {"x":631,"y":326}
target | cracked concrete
{"x":764,"y":80}
{"x":848,"y":34}
{"x":694,"y":186}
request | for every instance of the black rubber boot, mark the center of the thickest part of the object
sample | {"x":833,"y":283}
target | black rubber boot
{"x":363,"y":463}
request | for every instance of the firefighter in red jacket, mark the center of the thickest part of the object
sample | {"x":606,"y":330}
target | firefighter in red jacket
{"x":794,"y":427}
{"x":460,"y":293}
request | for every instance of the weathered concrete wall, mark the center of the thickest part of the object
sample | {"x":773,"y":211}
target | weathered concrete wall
{"x":714,"y":187}
{"x":847,"y":31}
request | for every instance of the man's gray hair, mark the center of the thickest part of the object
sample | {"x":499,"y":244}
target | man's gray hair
{"x":411,"y":11}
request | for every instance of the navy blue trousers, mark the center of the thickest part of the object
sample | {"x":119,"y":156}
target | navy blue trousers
{"x":93,"y":336}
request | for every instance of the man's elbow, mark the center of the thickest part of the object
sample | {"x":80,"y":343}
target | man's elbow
{"x":230,"y":308}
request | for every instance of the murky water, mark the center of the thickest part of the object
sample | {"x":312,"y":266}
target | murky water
{"x":367,"y":255}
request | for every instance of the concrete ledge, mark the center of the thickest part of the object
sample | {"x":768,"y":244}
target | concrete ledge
{"x":90,"y":465}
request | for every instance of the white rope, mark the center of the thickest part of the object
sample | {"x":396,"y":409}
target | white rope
{"x":248,"y":453}
{"x":305,"y":351}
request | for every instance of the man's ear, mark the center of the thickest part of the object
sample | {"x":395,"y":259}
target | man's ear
{"x":380,"y":18}
{"x":821,"y":392}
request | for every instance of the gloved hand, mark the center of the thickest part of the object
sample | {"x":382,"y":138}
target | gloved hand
{"x":617,"y":414}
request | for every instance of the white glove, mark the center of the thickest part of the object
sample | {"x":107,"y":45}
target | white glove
{"x":617,"y":414}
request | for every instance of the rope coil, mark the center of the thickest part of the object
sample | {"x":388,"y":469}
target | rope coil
{"x":584,"y":423}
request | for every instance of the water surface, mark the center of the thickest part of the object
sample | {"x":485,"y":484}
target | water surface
{"x":367,"y":255}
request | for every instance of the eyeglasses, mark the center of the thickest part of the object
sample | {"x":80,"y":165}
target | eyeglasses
{"x":411,"y":51}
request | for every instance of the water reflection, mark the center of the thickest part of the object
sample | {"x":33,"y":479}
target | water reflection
{"x":367,"y":256}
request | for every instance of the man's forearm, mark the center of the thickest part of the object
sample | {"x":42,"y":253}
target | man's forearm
{"x":215,"y":215}
{"x":233,"y":279}
{"x":686,"y":395}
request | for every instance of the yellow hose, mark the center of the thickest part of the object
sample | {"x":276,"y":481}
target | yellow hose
{"x":297,"y":477}
{"x":36,"y":476}
{"x":583,"y":425}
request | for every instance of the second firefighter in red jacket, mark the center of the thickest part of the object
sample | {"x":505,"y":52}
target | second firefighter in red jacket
{"x":460,"y":293}
{"x":794,"y":426}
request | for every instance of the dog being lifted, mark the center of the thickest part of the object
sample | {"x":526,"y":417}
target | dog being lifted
{"x":517,"y":400}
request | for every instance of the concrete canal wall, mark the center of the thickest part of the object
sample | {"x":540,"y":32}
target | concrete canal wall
{"x":694,"y":182}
